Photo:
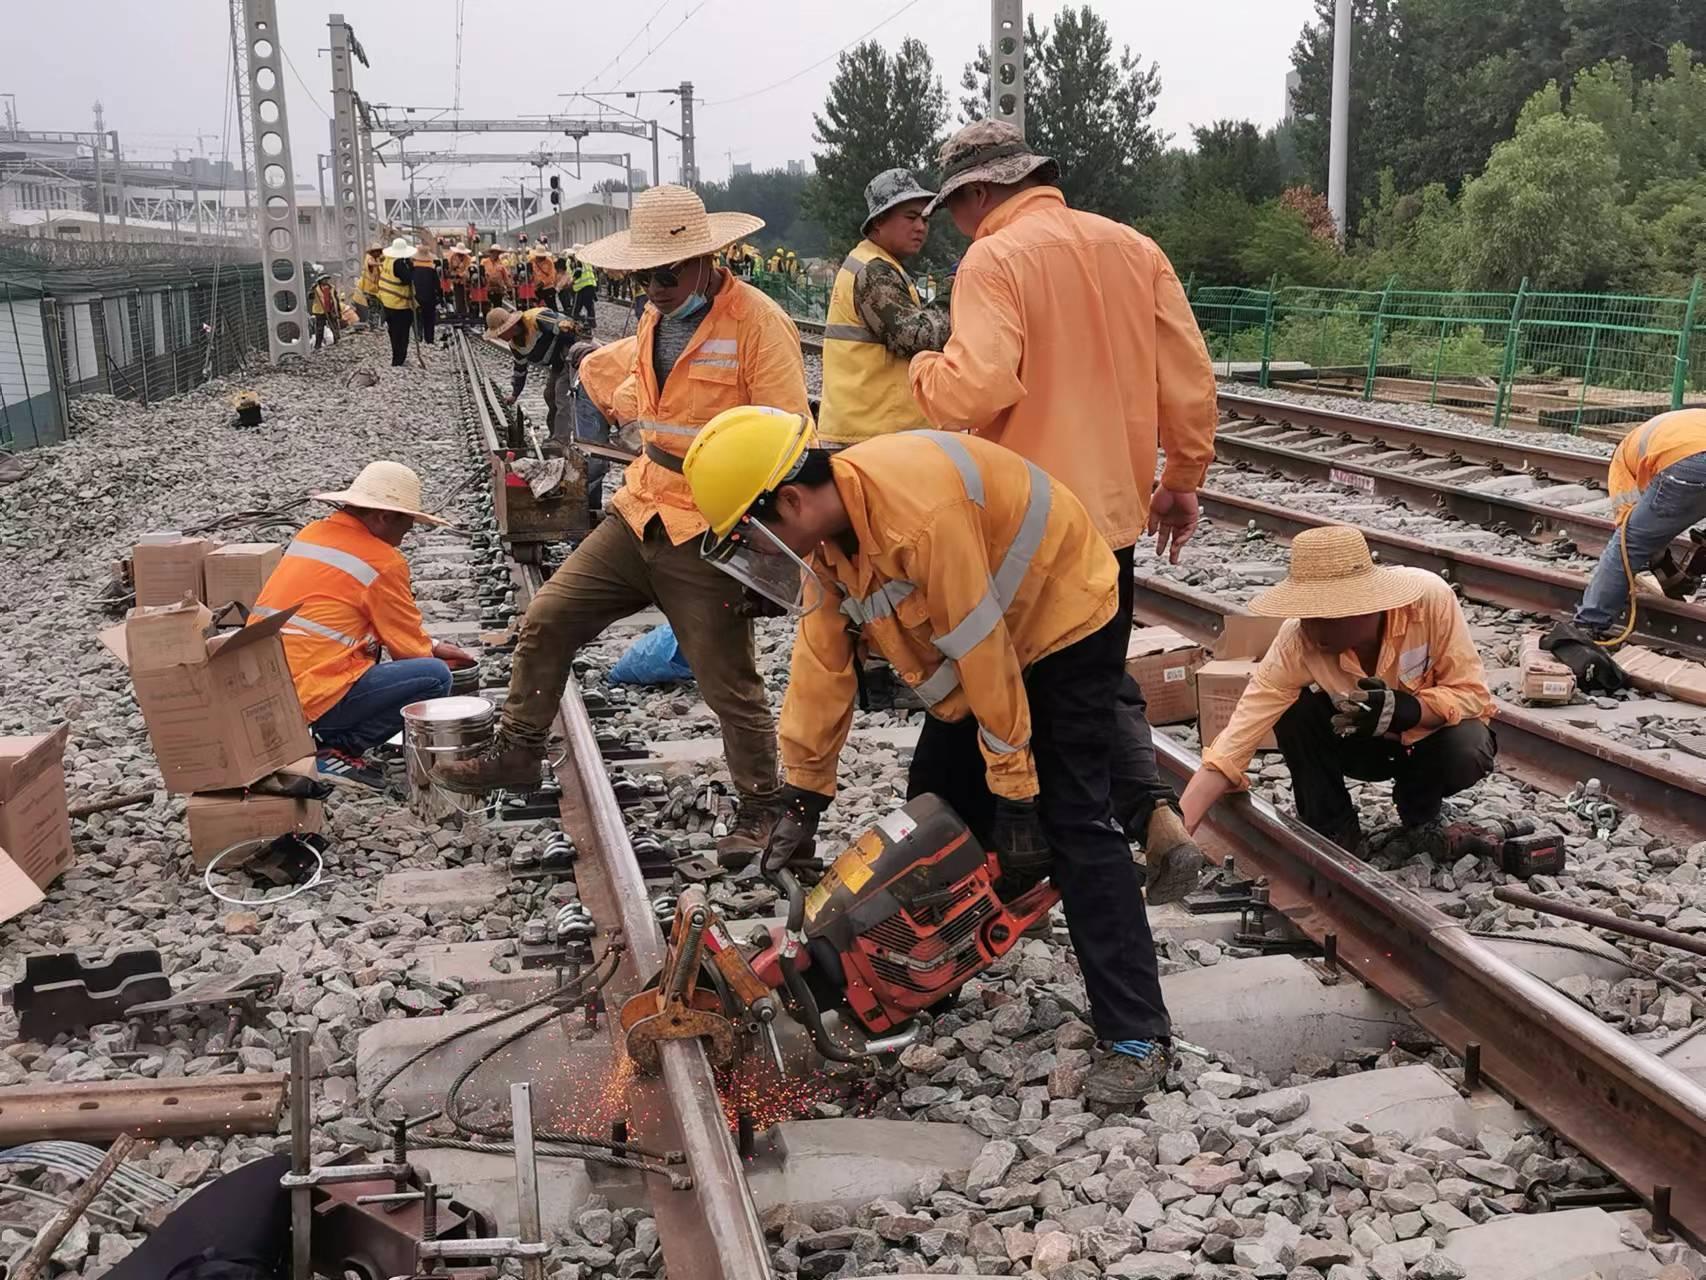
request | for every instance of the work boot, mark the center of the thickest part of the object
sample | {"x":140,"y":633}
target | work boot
{"x":755,"y":819}
{"x":1174,"y":861}
{"x":510,"y":762}
{"x":1401,"y":843}
{"x":1124,"y":1071}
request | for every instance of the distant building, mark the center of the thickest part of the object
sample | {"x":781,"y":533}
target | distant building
{"x":1293,"y":81}
{"x":743,"y":167}
{"x":796,"y":168}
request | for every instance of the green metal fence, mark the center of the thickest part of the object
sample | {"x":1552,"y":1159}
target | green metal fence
{"x":798,"y":296}
{"x":1561,"y":361}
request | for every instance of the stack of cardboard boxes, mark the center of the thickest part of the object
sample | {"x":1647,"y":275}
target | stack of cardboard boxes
{"x":35,"y":825}
{"x":1183,"y":681}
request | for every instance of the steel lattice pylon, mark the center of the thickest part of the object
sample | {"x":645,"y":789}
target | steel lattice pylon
{"x":354,"y":224}
{"x":280,"y":240}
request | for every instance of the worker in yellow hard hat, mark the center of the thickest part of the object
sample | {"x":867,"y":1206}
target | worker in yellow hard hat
{"x":989,"y":588}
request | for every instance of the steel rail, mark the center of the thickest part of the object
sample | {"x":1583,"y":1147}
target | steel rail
{"x":711,"y":1229}
{"x":1631,"y":1111}
{"x":1512,"y":455}
{"x":1511,"y":584}
{"x":1542,"y":752}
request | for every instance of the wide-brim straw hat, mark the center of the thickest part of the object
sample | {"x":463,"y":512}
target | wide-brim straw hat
{"x":1332,"y":575}
{"x":400,"y":248}
{"x":499,"y":321}
{"x":668,"y":224}
{"x":384,"y":486}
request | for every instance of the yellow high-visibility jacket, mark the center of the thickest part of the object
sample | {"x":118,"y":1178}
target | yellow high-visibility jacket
{"x":971,"y":565}
{"x":1651,"y":447}
{"x":391,"y":293}
{"x":866,"y":390}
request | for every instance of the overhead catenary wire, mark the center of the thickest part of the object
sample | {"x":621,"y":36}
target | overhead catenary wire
{"x":643,"y":28}
{"x":807,"y":70}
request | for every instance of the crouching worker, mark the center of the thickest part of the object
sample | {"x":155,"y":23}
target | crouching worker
{"x":351,"y":588}
{"x":989,"y":589}
{"x":1374,"y":678}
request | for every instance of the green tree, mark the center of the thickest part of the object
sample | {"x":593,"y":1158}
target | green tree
{"x":1279,"y":244}
{"x":1086,"y":106}
{"x":1235,"y":155}
{"x":883,"y":111}
{"x":1204,"y":236}
{"x":1545,"y":207}
{"x":776,"y":196}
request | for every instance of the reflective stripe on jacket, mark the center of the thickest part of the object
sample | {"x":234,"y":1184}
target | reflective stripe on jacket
{"x":394,"y":294}
{"x":354,"y":596}
{"x":1425,"y":649}
{"x":1074,"y":344}
{"x":971,"y":564}
{"x":745,"y":351}
{"x":1656,"y":444}
{"x":866,"y":390}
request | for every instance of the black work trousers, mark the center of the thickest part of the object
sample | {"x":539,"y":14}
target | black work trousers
{"x":400,"y":324}
{"x":1135,"y":779}
{"x":428,"y":312}
{"x":1072,"y":696}
{"x":1424,"y":773}
{"x":586,"y":303}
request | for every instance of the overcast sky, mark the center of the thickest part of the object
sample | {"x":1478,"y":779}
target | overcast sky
{"x":164,"y":79}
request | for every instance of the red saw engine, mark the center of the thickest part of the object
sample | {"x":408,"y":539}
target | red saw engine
{"x":901,"y":920}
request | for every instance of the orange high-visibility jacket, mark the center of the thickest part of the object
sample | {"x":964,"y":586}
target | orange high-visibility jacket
{"x":544,"y":268}
{"x":606,"y":377}
{"x":1425,"y":649}
{"x":1656,"y":444}
{"x":745,"y":351}
{"x":354,"y":596}
{"x":1074,"y":345}
{"x":971,"y":565}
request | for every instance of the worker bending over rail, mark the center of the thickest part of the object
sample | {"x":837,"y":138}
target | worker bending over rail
{"x":350,"y":586}
{"x":1658,"y":487}
{"x":1074,"y":345}
{"x":1374,"y":678}
{"x":707,"y":342}
{"x":877,"y":322}
{"x":988,"y":587}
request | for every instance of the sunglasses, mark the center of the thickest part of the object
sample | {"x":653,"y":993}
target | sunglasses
{"x":665,"y":277}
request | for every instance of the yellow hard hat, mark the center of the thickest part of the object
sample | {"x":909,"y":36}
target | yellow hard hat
{"x":738,"y":455}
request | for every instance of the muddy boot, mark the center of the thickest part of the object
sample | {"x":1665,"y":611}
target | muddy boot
{"x":1123,"y":1072}
{"x":1174,"y":861}
{"x":754,"y":821}
{"x":510,"y":762}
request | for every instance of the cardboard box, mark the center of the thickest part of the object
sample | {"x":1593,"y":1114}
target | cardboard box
{"x":1653,"y":672}
{"x":18,"y":893}
{"x":1244,"y":640}
{"x":238,"y":572}
{"x":35,"y":825}
{"x":166,"y":570}
{"x":219,"y":819}
{"x":221,"y":710}
{"x":1164,"y":664}
{"x":1545,"y":680}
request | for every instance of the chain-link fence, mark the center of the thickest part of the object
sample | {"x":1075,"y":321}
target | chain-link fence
{"x":139,"y":333}
{"x":1561,"y":361}
{"x":796,"y":295}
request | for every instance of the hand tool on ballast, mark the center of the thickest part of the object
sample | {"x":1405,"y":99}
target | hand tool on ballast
{"x":1512,"y":843}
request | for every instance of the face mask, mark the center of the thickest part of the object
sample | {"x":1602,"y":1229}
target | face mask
{"x":691,"y":305}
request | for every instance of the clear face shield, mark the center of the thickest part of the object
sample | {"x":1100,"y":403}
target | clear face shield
{"x":757,"y":559}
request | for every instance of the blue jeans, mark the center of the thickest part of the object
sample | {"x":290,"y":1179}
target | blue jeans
{"x":372,"y":710}
{"x":593,"y":427}
{"x":1675,"y":500}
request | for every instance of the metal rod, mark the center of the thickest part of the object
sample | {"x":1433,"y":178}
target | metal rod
{"x":112,"y":802}
{"x":1601,"y":920}
{"x":35,"y":1261}
{"x":301,"y":1197}
{"x":526,"y":1176}
{"x":1339,"y":119}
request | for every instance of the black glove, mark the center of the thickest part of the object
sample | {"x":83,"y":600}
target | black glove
{"x":794,"y":837}
{"x":753,"y":605}
{"x":1020,"y":845}
{"x":1372,"y":710}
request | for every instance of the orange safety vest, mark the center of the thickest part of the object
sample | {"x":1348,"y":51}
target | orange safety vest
{"x":1656,"y":444}
{"x":354,"y":598}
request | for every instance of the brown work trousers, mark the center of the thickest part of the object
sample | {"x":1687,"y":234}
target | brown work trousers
{"x":614,"y":574}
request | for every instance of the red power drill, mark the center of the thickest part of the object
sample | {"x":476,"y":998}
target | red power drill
{"x":1510,"y":842}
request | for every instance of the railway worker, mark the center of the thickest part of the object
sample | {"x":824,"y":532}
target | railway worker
{"x":367,"y":288}
{"x":877,"y":321}
{"x":1658,"y":489}
{"x":1375,"y":677}
{"x":428,"y":288}
{"x":1073,"y":344}
{"x":457,"y":261}
{"x":990,"y":589}
{"x":542,"y":269}
{"x":350,"y":586}
{"x":606,"y":396}
{"x":537,"y":336}
{"x":396,"y":294}
{"x":498,"y":282}
{"x":707,"y":342}
{"x":584,"y":280}
{"x":325,"y":310}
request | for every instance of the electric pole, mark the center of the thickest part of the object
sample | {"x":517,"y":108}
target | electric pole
{"x":1007,"y":62}
{"x":1339,"y":132}
{"x":689,"y":165}
{"x":100,"y":185}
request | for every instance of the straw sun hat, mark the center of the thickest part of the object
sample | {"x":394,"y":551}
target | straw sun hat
{"x":384,"y":486}
{"x":668,"y":224}
{"x":1332,"y":575}
{"x":499,"y":321}
{"x":400,"y":248}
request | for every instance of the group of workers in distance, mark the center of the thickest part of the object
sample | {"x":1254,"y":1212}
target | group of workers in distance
{"x":966,"y":506}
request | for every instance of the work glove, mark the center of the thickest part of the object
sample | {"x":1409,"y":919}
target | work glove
{"x":754,"y":605}
{"x":1372,"y":710}
{"x":1020,"y":845}
{"x":794,"y":837}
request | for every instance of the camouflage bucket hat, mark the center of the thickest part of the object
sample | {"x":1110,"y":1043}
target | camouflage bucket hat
{"x":987,"y":151}
{"x":886,"y":190}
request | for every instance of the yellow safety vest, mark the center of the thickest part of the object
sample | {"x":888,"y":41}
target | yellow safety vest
{"x":586,"y":278}
{"x":392,"y":293}
{"x":866,"y":391}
